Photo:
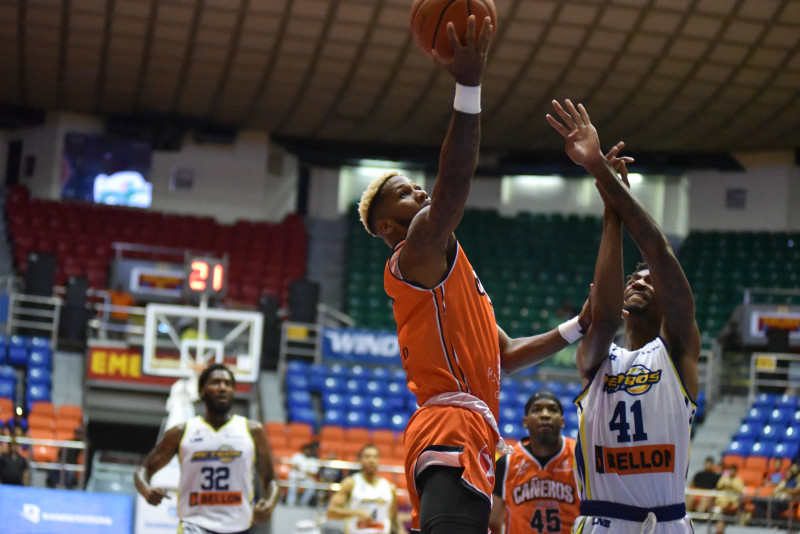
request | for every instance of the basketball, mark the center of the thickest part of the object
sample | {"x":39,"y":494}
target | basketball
{"x":429,"y":20}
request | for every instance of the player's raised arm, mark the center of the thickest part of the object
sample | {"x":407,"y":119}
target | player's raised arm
{"x":430,"y":233}
{"x":157,"y":459}
{"x":678,"y":328}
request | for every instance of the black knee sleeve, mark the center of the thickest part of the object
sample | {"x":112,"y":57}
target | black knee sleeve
{"x":448,"y":506}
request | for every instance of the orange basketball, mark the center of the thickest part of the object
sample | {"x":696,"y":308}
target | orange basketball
{"x":429,"y":20}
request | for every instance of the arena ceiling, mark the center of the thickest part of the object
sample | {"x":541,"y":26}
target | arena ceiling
{"x":667,"y":76}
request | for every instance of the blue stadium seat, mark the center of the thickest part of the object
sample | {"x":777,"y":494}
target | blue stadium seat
{"x":359,"y":372}
{"x":395,"y":389}
{"x":355,"y":386}
{"x":338,"y":370}
{"x":765,"y":400}
{"x":18,"y":350}
{"x":780,"y":416}
{"x":39,"y":375}
{"x":510,"y":414}
{"x":573,"y":432}
{"x":513,"y":430}
{"x":355,"y":419}
{"x":356,"y":403}
{"x":788,"y":401}
{"x":333,"y":401}
{"x":791,"y":434}
{"x":333,"y":384}
{"x":316,"y":377}
{"x":298,"y":399}
{"x":377,"y":420}
{"x":378,"y":404}
{"x":566,"y":402}
{"x":34,"y":393}
{"x":398,"y":422}
{"x":297,"y":366}
{"x":571,"y":418}
{"x":379,"y":373}
{"x":509,"y":386}
{"x":786,"y":450}
{"x":39,"y":357}
{"x":375,"y":387}
{"x":39,"y":342}
{"x":297,"y":382}
{"x":554,"y":386}
{"x":7,"y":388}
{"x":3,"y":348}
{"x":763,"y":448}
{"x":572,"y":388}
{"x":740,"y":446}
{"x":529,"y":386}
{"x":747,"y":432}
{"x":6,"y":371}
{"x":795,"y":419}
{"x":757,"y":415}
{"x":303,"y":415}
{"x":333,"y":417}
{"x":522,"y":398}
{"x":398,"y":373}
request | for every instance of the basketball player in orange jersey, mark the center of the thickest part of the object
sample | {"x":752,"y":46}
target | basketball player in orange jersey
{"x":451,"y":347}
{"x":534,"y":489}
{"x":637,"y":406}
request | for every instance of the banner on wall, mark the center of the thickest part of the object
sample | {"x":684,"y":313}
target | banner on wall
{"x":26,"y":510}
{"x":360,"y":346}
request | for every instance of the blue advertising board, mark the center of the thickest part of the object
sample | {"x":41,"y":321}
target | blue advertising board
{"x":360,"y":346}
{"x":27,"y":510}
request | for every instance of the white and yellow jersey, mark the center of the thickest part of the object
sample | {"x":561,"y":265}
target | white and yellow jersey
{"x":216,"y":487}
{"x":376,"y":499}
{"x":635,"y":425}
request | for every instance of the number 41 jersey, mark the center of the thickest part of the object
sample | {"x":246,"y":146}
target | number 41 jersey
{"x":216,"y":488}
{"x":635,"y":424}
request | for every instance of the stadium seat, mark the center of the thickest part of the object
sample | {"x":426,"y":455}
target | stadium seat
{"x":378,"y":420}
{"x":379,"y":373}
{"x":761,"y":451}
{"x":790,"y":402}
{"x":39,"y":375}
{"x":747,"y":432}
{"x":791,"y":434}
{"x":3,"y":346}
{"x":298,"y":399}
{"x":354,"y":386}
{"x":398,"y":422}
{"x":751,"y":477}
{"x":770,"y":432}
{"x":70,"y":411}
{"x":375,"y":387}
{"x":358,"y":435}
{"x":302,"y":414}
{"x":36,"y":392}
{"x":356,"y":419}
{"x":356,"y":403}
{"x":333,"y":401}
{"x":765,"y":400}
{"x":513,"y":430}
{"x":297,"y":382}
{"x":786,"y":450}
{"x":333,"y":384}
{"x":377,"y":404}
{"x":757,"y":415}
{"x":41,"y":421}
{"x":7,"y":388}
{"x":17,"y":351}
{"x":43,"y":408}
{"x":334,"y":417}
{"x":6,"y":409}
{"x":739,"y":447}
{"x":359,"y":372}
{"x":38,"y":357}
{"x":337,"y":370}
{"x":780,"y":416}
{"x":316,"y":377}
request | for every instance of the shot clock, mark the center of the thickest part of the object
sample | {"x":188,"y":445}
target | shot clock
{"x":206,"y":276}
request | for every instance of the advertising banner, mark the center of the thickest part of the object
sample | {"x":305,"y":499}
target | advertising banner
{"x":27,"y":510}
{"x":360,"y":346}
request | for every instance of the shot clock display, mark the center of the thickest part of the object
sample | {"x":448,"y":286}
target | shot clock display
{"x":206,"y":276}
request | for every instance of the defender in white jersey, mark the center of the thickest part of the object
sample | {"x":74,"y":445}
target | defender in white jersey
{"x":367,"y":502}
{"x":218,"y":453}
{"x":637,"y":407}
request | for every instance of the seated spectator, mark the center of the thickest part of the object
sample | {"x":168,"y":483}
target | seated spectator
{"x":13,"y":467}
{"x":733,"y":486}
{"x":775,"y":472}
{"x":707,"y":480}
{"x":20,"y":430}
{"x":5,"y":431}
{"x":304,"y":470}
{"x":70,"y":456}
{"x":787,"y":489}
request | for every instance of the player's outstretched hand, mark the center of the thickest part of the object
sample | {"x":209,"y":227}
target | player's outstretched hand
{"x":156,"y":496}
{"x":583,"y":144}
{"x":619,"y":163}
{"x":469,"y":59}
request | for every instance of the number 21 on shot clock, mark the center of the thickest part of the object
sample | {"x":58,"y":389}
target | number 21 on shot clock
{"x":206,"y":276}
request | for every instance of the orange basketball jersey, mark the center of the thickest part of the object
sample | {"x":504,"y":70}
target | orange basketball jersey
{"x":542,"y":499}
{"x":448,"y":334}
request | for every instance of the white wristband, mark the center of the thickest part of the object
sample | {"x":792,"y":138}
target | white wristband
{"x":570,"y":330}
{"x":467,"y":99}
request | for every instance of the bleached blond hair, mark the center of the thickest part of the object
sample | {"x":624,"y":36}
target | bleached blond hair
{"x":369,"y":195}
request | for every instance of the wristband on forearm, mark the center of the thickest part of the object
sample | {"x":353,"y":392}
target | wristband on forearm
{"x":570,"y":330}
{"x":467,"y":99}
